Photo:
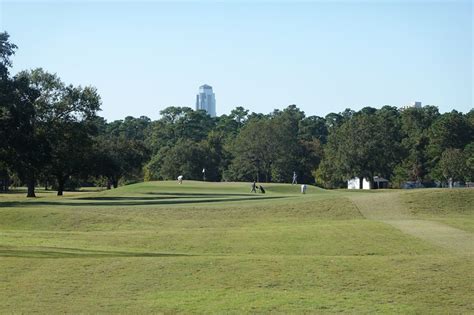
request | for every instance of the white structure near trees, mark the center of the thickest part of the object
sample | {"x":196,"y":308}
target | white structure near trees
{"x":379,"y":183}
{"x":354,"y":183}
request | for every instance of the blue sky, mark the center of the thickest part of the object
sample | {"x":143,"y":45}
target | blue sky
{"x":321,"y":56}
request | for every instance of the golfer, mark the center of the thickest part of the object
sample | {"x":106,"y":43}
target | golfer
{"x":303,"y":189}
{"x":254,"y":187}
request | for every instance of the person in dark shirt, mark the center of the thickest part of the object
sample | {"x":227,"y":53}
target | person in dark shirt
{"x":254,"y":187}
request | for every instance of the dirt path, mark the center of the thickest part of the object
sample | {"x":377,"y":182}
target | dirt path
{"x":387,"y":207}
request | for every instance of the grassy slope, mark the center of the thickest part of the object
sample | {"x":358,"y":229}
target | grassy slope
{"x":452,"y":207}
{"x":215,"y":247}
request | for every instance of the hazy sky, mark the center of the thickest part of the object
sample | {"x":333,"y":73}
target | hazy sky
{"x":322,"y":56}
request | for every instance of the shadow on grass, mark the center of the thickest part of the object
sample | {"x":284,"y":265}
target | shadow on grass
{"x":129,"y":198}
{"x":126,"y":201}
{"x":59,"y":252}
{"x":161,"y":196}
{"x":195,"y":195}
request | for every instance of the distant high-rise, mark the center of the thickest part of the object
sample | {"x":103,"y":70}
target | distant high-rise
{"x":413,"y":105}
{"x":206,"y":100}
{"x":416,"y":104}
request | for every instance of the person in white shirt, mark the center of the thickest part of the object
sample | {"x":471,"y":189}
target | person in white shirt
{"x":303,"y":189}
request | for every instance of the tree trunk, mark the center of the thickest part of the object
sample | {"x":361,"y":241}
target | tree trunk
{"x":361,"y":182}
{"x":46,"y":185}
{"x":109,"y":185}
{"x":5,"y":184}
{"x":115,"y":183}
{"x":31,"y":188}
{"x":60,"y":185}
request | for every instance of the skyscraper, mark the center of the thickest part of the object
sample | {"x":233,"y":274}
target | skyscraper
{"x":206,"y":100}
{"x":413,"y":105}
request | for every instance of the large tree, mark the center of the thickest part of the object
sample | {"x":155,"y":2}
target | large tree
{"x":7,"y":93}
{"x":187,"y":158}
{"x":415,"y":124}
{"x":130,"y":128}
{"x":117,"y":158}
{"x":449,"y":130}
{"x":254,"y":151}
{"x":25,"y":150}
{"x":64,"y":115}
{"x":7,"y":49}
{"x":179,"y":123}
{"x":22,"y":148}
{"x":365,"y":145}
{"x":452,"y":165}
{"x":287,"y":149}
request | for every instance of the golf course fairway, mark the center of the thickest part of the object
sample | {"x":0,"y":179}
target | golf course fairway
{"x":160,"y":247}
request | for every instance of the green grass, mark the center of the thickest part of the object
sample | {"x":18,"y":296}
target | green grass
{"x":215,"y":247}
{"x":440,"y":202}
{"x":453,"y":207}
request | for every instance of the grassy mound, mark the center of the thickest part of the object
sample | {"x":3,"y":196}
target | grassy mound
{"x":454,"y":207}
{"x":440,"y":202}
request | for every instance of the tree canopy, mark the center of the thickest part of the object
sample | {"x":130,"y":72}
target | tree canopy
{"x":52,"y":134}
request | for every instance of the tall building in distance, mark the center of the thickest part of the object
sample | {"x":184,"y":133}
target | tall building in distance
{"x":413,"y":105}
{"x":206,"y":100}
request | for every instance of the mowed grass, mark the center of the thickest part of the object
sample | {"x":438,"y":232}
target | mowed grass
{"x":453,"y":207}
{"x":215,"y":247}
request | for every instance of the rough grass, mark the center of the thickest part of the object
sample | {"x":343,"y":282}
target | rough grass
{"x":453,"y":207}
{"x":440,"y":202}
{"x":214,"y":248}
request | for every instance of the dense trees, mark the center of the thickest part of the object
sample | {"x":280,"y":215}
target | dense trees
{"x":401,"y":145}
{"x":452,"y":165}
{"x":415,"y":163}
{"x":367,"y":144}
{"x":272,"y":147}
{"x":46,"y":126}
{"x":51,"y":133}
{"x":255,"y":149}
{"x":22,"y":147}
{"x":117,"y":158}
{"x":63,"y":118}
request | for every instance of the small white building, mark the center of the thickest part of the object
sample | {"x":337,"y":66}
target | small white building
{"x":379,"y":183}
{"x":354,"y":183}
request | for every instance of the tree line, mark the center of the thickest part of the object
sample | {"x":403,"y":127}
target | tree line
{"x":51,"y":134}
